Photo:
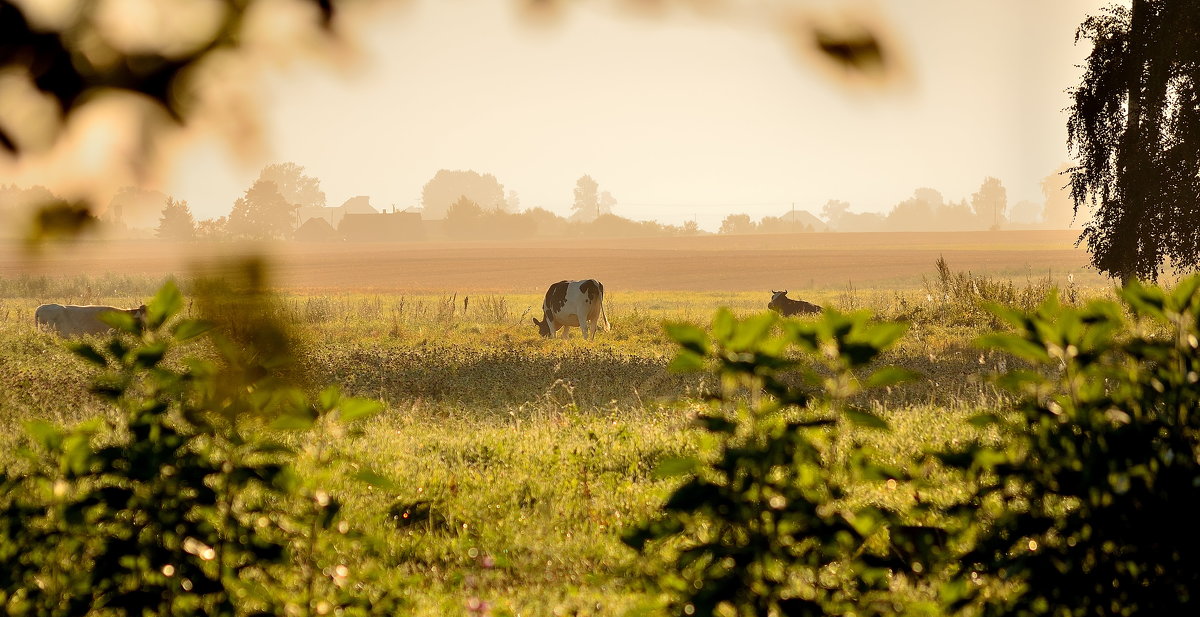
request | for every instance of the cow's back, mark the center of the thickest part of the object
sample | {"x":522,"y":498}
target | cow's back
{"x":74,"y":320}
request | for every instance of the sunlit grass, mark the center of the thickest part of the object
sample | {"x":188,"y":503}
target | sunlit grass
{"x":524,"y":457}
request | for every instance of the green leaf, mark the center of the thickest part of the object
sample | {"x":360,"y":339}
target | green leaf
{"x":885,"y":334}
{"x":351,"y":409}
{"x":686,"y":361}
{"x":722,"y":325}
{"x":89,"y":353}
{"x":191,"y":328}
{"x":890,"y":375}
{"x":689,"y":337}
{"x":120,"y":320}
{"x":301,"y":419}
{"x":693,"y":495}
{"x":328,"y":398}
{"x":749,"y":334}
{"x":1183,"y":296}
{"x":1015,"y":345}
{"x":675,"y":466}
{"x":149,"y":355}
{"x":866,"y":419}
{"x":165,"y":304}
{"x":717,"y":424}
{"x":48,"y":435}
{"x":373,"y":478}
{"x":858,"y":354}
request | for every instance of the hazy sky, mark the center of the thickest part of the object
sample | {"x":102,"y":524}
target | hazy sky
{"x":678,"y":116}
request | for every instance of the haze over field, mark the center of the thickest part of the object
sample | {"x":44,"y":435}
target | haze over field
{"x":707,"y":264}
{"x":681,"y":116}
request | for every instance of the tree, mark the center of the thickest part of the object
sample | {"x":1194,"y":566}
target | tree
{"x":918,"y":212}
{"x":447,"y":187}
{"x":833,"y":211}
{"x":1026,"y":212}
{"x":262,"y":214}
{"x":212,"y":229}
{"x":587,"y":199}
{"x":607,"y":202}
{"x":464,"y":219}
{"x":136,"y":207}
{"x":297,"y":188}
{"x":1135,"y":131}
{"x":176,"y":222}
{"x":1058,"y":211}
{"x":737,"y":224}
{"x":990,"y":203}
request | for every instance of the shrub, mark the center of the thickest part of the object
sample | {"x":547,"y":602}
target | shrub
{"x":761,"y":525}
{"x":1089,"y":508}
{"x":184,"y":507}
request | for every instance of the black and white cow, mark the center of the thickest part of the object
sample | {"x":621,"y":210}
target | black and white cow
{"x":573,"y":303}
{"x":787,"y":307}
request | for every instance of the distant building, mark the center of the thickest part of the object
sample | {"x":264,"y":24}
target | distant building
{"x":316,"y":230}
{"x":382,"y":227}
{"x":355,"y":205}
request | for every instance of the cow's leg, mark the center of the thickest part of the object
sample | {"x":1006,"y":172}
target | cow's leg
{"x":583,"y":326}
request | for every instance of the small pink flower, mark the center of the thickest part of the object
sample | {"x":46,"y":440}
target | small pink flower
{"x":478,"y":607}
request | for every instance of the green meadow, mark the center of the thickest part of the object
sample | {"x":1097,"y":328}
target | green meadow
{"x":514,"y":462}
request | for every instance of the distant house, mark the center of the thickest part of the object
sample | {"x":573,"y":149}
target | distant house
{"x":316,"y":230}
{"x":358,"y":205}
{"x":796,"y":220}
{"x":355,"y":205}
{"x":382,"y":227}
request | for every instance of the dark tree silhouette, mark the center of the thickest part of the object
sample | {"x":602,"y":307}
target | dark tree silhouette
{"x":176,"y":222}
{"x":1135,"y":132}
{"x":262,"y":214}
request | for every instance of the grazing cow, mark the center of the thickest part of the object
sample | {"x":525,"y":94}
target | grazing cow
{"x":787,"y":307}
{"x":81,"y":320}
{"x":573,"y":303}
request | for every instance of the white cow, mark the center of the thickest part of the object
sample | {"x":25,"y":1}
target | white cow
{"x":573,"y":303}
{"x":81,"y":320}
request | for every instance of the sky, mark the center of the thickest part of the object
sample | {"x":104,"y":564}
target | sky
{"x":679,"y":116}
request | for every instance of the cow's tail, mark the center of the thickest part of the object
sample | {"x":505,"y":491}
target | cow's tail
{"x":604,"y":314}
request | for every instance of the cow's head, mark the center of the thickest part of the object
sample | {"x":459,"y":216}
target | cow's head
{"x":543,"y":327}
{"x":776,"y":295}
{"x":139,"y":316}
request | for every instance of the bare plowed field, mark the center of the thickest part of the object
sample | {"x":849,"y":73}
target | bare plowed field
{"x":710,"y":263}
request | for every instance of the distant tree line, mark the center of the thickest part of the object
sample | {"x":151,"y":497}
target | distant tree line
{"x":467,"y":205}
{"x":987,"y":208}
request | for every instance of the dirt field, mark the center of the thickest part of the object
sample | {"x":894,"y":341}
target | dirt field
{"x":710,"y":263}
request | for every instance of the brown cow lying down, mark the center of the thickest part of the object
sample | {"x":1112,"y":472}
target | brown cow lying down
{"x":80,"y":320}
{"x":787,"y":307}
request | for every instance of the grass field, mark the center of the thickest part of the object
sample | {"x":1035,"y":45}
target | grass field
{"x":533,"y":455}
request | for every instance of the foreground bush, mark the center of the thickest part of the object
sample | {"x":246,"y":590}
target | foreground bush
{"x":761,"y":526}
{"x":1089,"y":509}
{"x":182,"y":508}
